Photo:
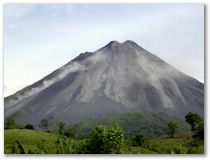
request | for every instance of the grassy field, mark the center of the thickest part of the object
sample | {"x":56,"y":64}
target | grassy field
{"x":177,"y":145}
{"x":41,"y":142}
{"x":168,"y":145}
{"x":137,"y":150}
{"x":30,"y":140}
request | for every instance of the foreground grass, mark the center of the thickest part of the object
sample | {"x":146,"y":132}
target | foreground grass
{"x":179,"y":145}
{"x":42,"y":142}
{"x":137,"y":150}
{"x":30,"y":140}
{"x":168,"y":145}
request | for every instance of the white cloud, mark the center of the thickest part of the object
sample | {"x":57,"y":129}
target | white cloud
{"x":13,"y":13}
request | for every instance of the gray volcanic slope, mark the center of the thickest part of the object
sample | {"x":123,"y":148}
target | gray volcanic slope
{"x":118,"y":78}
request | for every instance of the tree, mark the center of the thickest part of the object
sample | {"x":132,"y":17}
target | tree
{"x":140,"y":140}
{"x":172,"y":128}
{"x":63,"y":146}
{"x":193,"y":119}
{"x":199,"y":132}
{"x":29,"y":126}
{"x":98,"y":139}
{"x":44,"y":124}
{"x":10,"y":122}
{"x":61,"y":127}
{"x":105,"y":140}
{"x":115,"y":139}
{"x":71,"y":132}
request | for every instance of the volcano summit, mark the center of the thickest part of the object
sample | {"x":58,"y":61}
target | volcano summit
{"x":118,"y":78}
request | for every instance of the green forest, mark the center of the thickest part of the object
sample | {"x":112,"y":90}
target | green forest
{"x":131,"y":133}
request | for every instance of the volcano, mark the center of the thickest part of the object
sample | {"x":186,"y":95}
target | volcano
{"x":118,"y":78}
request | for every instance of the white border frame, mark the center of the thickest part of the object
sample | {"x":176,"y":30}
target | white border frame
{"x":102,"y":157}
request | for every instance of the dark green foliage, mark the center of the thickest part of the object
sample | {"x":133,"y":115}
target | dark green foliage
{"x":44,"y":124}
{"x":19,"y":127}
{"x":63,"y":146}
{"x":8,"y":127}
{"x":167,"y":145}
{"x":150,"y":124}
{"x":66,"y":145}
{"x":10,"y":123}
{"x":98,"y":139}
{"x":197,"y":125}
{"x":61,"y":127}
{"x":13,"y":149}
{"x":104,"y":141}
{"x":71,"y":132}
{"x":172,"y":128}
{"x":193,"y":119}
{"x":20,"y":148}
{"x":196,"y":150}
{"x":29,"y":126}
{"x":177,"y":150}
{"x":82,"y":147}
{"x":140,"y":140}
{"x":199,"y":132}
{"x":197,"y":128}
{"x":194,"y":146}
{"x":114,"y":139}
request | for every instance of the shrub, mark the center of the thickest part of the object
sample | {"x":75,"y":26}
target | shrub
{"x":10,"y":123}
{"x":63,"y":146}
{"x":29,"y":126}
{"x":105,"y":140}
{"x":199,"y":132}
{"x":44,"y":124}
{"x":140,"y":140}
{"x":172,"y":128}
{"x":193,"y":119}
{"x":81,"y":147}
{"x":71,"y":132}
{"x":197,"y":125}
{"x":8,"y":127}
{"x":61,"y":127}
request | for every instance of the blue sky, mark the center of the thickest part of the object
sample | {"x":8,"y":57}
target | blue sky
{"x":39,"y":38}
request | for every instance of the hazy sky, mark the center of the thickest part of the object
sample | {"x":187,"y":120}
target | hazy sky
{"x":39,"y":38}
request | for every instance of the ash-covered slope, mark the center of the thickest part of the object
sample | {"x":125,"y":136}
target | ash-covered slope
{"x":118,"y":78}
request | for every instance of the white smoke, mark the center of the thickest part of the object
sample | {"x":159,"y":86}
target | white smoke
{"x":64,"y":71}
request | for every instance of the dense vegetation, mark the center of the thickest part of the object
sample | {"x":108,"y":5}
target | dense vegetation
{"x":109,"y":136}
{"x":150,"y":124}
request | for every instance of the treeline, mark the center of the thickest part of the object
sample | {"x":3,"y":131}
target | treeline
{"x":150,"y":124}
{"x":111,"y":140}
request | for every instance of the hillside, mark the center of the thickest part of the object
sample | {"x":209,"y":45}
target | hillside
{"x":148,"y":124}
